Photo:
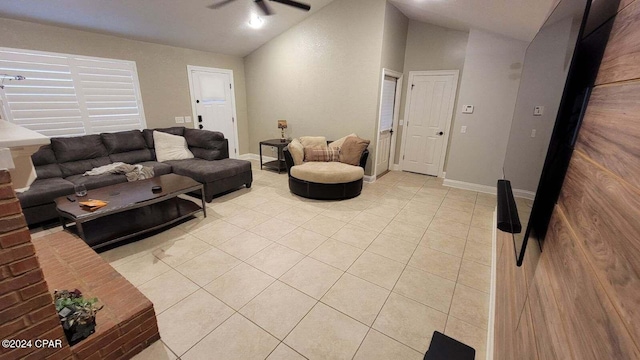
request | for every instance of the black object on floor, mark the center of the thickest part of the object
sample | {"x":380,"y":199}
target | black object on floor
{"x":443,"y":347}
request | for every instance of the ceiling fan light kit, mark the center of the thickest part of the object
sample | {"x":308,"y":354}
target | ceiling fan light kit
{"x":262,"y":4}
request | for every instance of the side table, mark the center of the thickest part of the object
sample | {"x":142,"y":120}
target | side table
{"x":279,"y":163}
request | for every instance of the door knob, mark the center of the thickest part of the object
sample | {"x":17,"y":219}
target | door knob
{"x":200,"y":126}
{"x":440,"y":133}
{"x":197,"y":101}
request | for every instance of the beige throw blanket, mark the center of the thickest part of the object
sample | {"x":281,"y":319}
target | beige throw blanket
{"x":132,"y":172}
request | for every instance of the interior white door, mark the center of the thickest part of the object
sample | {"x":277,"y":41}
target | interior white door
{"x":429,"y":113}
{"x":386,"y":125}
{"x":214,"y":105}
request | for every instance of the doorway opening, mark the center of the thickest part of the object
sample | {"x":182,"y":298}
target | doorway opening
{"x":213,"y":102}
{"x":431,"y":96}
{"x":389,"y":111}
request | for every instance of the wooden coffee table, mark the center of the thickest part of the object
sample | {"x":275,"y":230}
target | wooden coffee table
{"x":132,"y":209}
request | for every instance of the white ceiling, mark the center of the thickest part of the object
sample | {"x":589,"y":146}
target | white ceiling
{"x":183,"y":23}
{"x":190,"y":24}
{"x":520,"y":19}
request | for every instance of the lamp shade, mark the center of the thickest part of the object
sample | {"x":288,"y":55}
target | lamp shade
{"x":282,"y":124}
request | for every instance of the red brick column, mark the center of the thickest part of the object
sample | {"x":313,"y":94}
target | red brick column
{"x":26,"y":306}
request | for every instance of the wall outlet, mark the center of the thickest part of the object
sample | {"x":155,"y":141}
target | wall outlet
{"x":538,"y":110}
{"x":533,"y":133}
{"x":463,"y":130}
{"x":467,"y":109}
{"x":187,"y":119}
{"x":179,"y":120}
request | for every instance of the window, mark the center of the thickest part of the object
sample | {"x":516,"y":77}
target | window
{"x":70,"y":95}
{"x":388,"y":103}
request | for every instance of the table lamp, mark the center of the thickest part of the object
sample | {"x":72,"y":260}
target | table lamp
{"x":282,"y":124}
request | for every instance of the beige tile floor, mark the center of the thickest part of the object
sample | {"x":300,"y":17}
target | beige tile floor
{"x":269,"y":275}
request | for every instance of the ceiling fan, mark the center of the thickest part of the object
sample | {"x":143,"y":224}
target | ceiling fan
{"x":262,"y":4}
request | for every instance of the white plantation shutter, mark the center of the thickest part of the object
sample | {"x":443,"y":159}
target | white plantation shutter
{"x":388,"y":103}
{"x":69,"y":95}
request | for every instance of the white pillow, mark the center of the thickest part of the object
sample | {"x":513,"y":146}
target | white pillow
{"x":313,"y":141}
{"x":170,"y":147}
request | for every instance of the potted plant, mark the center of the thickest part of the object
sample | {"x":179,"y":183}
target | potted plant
{"x":77,"y":314}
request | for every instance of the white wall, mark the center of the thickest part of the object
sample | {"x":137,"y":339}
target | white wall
{"x":394,"y":38}
{"x":543,"y":79}
{"x":430,"y":47}
{"x":162,"y":69}
{"x":322,"y":75}
{"x":490,"y":82}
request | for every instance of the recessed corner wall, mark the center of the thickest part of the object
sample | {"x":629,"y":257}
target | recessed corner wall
{"x":490,"y":83}
{"x":162,"y":69}
{"x":322,"y":75}
{"x":430,"y":47}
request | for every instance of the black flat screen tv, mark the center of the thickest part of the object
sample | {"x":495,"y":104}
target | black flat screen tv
{"x":559,"y":71}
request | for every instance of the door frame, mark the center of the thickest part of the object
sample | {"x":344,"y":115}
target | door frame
{"x":190,"y":69}
{"x":396,"y":114}
{"x":407,"y":107}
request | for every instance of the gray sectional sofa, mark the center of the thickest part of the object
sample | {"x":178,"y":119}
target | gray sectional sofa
{"x":60,"y":165}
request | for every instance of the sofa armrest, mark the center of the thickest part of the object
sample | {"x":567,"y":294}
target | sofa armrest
{"x":288,"y":159}
{"x":363,"y":158}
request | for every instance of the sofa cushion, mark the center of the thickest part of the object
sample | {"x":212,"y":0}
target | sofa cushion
{"x":171,"y":147}
{"x":78,"y":148}
{"x":320,"y":154}
{"x":203,"y":138}
{"x":207,"y":171}
{"x":158,"y":167}
{"x":44,"y":156}
{"x":313,"y":141}
{"x":79,"y":167}
{"x":97,"y":181}
{"x":132,"y":157}
{"x":297,"y":151}
{"x":123,"y":141}
{"x":44,"y":191}
{"x":327,"y":172}
{"x":338,"y":143}
{"x":148,"y":134}
{"x":352,"y":149}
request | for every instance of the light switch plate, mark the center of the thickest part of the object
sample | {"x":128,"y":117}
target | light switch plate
{"x":463,"y":130}
{"x":179,"y":120}
{"x":538,"y":110}
{"x":467,"y":109}
{"x":187,"y":119}
{"x":533,"y":133}
{"x":401,"y":122}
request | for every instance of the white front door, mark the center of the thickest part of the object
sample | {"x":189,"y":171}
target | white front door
{"x":214,"y":104}
{"x":430,"y":110}
{"x":387,"y":108}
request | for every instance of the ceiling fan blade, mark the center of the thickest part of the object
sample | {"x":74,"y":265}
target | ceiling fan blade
{"x":294,"y":4}
{"x":220,"y":4}
{"x":264,"y":7}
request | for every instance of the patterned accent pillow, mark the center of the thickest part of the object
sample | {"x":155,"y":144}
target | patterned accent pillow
{"x":321,"y":154}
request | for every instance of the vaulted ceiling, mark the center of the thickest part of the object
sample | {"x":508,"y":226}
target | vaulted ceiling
{"x":190,"y":24}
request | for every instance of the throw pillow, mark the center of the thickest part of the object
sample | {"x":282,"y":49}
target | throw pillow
{"x":297,"y":151}
{"x":170,"y":147}
{"x":313,"y":141}
{"x":320,"y":154}
{"x":338,"y":143}
{"x":352,"y":149}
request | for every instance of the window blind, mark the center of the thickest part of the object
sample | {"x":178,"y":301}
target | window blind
{"x":388,"y":103}
{"x":69,"y":95}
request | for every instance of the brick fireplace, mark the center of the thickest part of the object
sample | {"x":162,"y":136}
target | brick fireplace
{"x":30,"y":269}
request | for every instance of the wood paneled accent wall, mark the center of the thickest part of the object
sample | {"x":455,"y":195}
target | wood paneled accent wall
{"x":580,"y":298}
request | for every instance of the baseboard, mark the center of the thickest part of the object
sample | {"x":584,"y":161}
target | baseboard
{"x":524,"y":194}
{"x":369,"y":178}
{"x":492,"y":296}
{"x":256,"y":157}
{"x":469,"y":186}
